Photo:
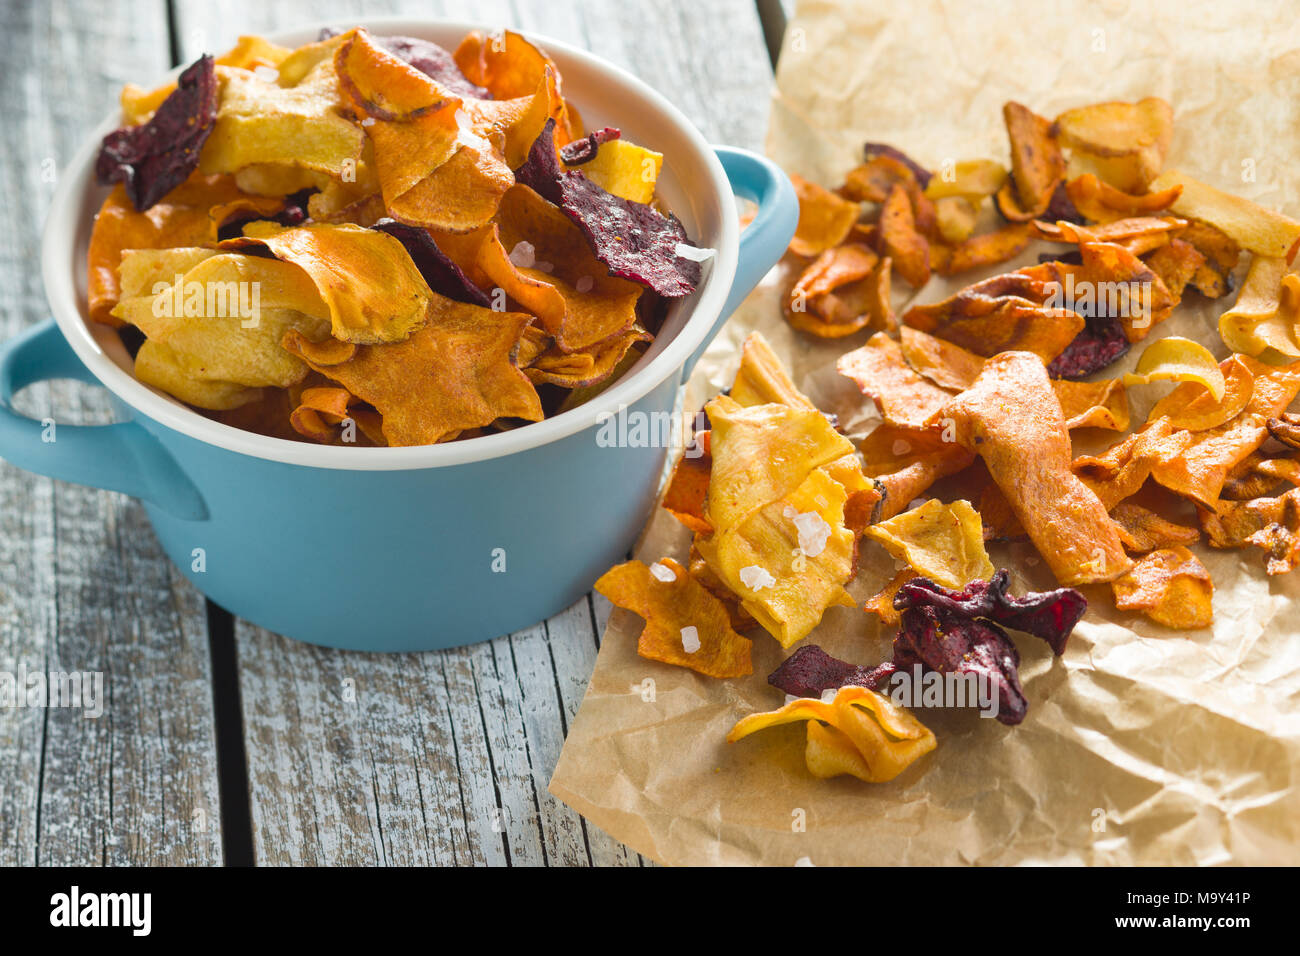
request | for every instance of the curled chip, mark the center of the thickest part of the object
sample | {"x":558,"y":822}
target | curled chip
{"x":1143,"y":530}
{"x":323,"y":413}
{"x":585,"y":368}
{"x":1170,"y":586}
{"x":434,"y":62}
{"x":1117,"y":231}
{"x":634,"y":240}
{"x":1192,"y":406}
{"x":1177,"y":263}
{"x":904,"y":397}
{"x":986,"y":249}
{"x":1272,"y":524}
{"x":947,"y":365}
{"x":943,"y":542}
{"x":439,"y":272}
{"x":867,"y":735}
{"x":906,"y":461}
{"x":1102,"y":404}
{"x":1124,"y":142}
{"x":541,"y":259}
{"x":152,"y":159}
{"x":882,"y":603}
{"x":1102,"y":202}
{"x":1249,"y":225}
{"x":586,"y":149}
{"x":1012,"y":419}
{"x":1174,"y":358}
{"x":466,"y":349}
{"x":761,"y":379}
{"x":373,"y":289}
{"x":824,"y":218}
{"x":1263,"y":320}
{"x":509,"y":66}
{"x":1037,"y":166}
{"x":685,"y":625}
{"x":843,"y":290}
{"x":900,"y":240}
{"x":872,"y":151}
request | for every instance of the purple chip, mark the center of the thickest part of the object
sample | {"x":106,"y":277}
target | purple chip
{"x":634,"y":240}
{"x":152,"y":159}
{"x":584,"y":150}
{"x":871,"y":150}
{"x":1101,"y":342}
{"x":433,"y":61}
{"x":442,"y":275}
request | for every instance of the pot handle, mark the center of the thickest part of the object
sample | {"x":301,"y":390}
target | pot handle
{"x":118,"y":457}
{"x":764,"y":240}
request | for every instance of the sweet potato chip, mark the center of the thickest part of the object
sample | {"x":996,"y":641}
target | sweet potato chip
{"x":1037,"y":166}
{"x":1143,"y":530}
{"x":454,"y":373}
{"x":688,"y":486}
{"x":1177,"y":263}
{"x":333,"y":416}
{"x":1012,"y":419}
{"x":986,"y":249}
{"x":1117,"y":231}
{"x":1102,"y":404}
{"x":824,"y":218}
{"x":1102,"y":202}
{"x":903,"y":396}
{"x":373,"y":289}
{"x":1125,"y":143}
{"x":510,"y":67}
{"x":844,"y":290}
{"x":685,"y":625}
{"x":885,"y":738}
{"x":907,"y":461}
{"x":1272,"y":524}
{"x":1125,"y":467}
{"x":947,"y":365}
{"x":899,"y":239}
{"x":1263,"y":320}
{"x":585,"y":367}
{"x":882,"y":604}
{"x":543,"y":262}
{"x":1193,"y":407}
{"x":1251,"y":226}
{"x":1170,"y":586}
{"x":943,"y":542}
{"x":1174,"y":358}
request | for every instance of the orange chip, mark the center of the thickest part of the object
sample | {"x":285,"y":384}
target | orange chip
{"x":1143,"y":530}
{"x":907,"y":461}
{"x":1101,"y":404}
{"x":1272,"y":524}
{"x":1170,"y":586}
{"x":947,"y":365}
{"x":511,"y":67}
{"x":1037,"y":166}
{"x":824,"y":218}
{"x":1118,"y":230}
{"x":322,"y":410}
{"x":882,"y":604}
{"x":585,"y":367}
{"x":1177,"y":263}
{"x":1102,"y":202}
{"x":1012,"y":419}
{"x":453,"y":374}
{"x":899,"y":238}
{"x":874,"y":739}
{"x":373,"y":289}
{"x":1000,"y":521}
{"x":685,"y":625}
{"x":987,"y":249}
{"x":1192,"y":407}
{"x":687,"y":487}
{"x":845,"y":290}
{"x":190,"y":215}
{"x":1124,"y":468}
{"x":541,"y":259}
{"x":903,"y":396}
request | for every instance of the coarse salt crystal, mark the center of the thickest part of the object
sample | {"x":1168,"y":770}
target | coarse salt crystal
{"x":584,"y":284}
{"x":756,"y":578}
{"x":694,"y":253}
{"x":267,"y":74}
{"x":663,"y":572}
{"x":690,"y":639}
{"x":523,"y":255}
{"x":813,"y":530}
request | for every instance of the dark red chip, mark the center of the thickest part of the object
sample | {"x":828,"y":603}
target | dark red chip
{"x":635,"y":241}
{"x":584,"y":150}
{"x":442,"y":275}
{"x":810,"y":670}
{"x":1062,"y":207}
{"x":1101,"y":342}
{"x":871,"y":150}
{"x":152,"y":159}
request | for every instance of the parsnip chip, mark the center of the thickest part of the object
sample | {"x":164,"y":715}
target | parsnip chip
{"x":947,"y":365}
{"x":1037,"y":166}
{"x":248,"y":53}
{"x":824,"y":218}
{"x":762,"y":379}
{"x":886,"y":739}
{"x":900,"y":239}
{"x":542,"y":260}
{"x":1143,"y":530}
{"x":214,"y":327}
{"x":943,"y":542}
{"x":955,"y":220}
{"x":685,"y":625}
{"x":190,"y":216}
{"x":1102,"y":404}
{"x":907,"y":461}
{"x":625,"y":169}
{"x":967,"y":179}
{"x":1170,"y":586}
{"x":903,"y":396}
{"x":1102,"y":202}
{"x":453,"y":374}
{"x":1251,"y":226}
{"x":1174,"y":358}
{"x":1263,"y":320}
{"x":1193,"y":407}
{"x":373,"y":289}
{"x":1012,"y":419}
{"x":1125,"y":143}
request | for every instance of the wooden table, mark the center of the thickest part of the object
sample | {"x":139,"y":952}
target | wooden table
{"x":221,"y":742}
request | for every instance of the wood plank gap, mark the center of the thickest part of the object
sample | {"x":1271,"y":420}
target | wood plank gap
{"x":232,"y":760}
{"x":771,"y":16}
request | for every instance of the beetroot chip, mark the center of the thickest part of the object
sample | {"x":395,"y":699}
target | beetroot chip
{"x":442,"y":275}
{"x":1062,"y":207}
{"x":634,"y":240}
{"x":1101,"y":342}
{"x":584,"y":150}
{"x":434,"y":62}
{"x":1050,"y":615}
{"x":152,"y":159}
{"x":871,"y":150}
{"x":810,"y":670}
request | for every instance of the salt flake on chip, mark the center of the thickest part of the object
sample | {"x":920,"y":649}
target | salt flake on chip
{"x":523,"y":255}
{"x":813,"y":530}
{"x":585,"y":284}
{"x":663,"y":572}
{"x":267,"y":74}
{"x":756,"y":578}
{"x":695,"y":253}
{"x":690,"y":639}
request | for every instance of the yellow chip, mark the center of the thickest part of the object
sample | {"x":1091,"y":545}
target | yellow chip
{"x":1170,"y":586}
{"x":1174,"y":358}
{"x":943,"y":542}
{"x":1262,"y":322}
{"x":967,"y":179}
{"x":625,"y":169}
{"x":1262,"y":231}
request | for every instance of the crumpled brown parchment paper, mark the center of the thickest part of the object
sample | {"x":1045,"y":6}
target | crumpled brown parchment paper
{"x":1142,"y":745}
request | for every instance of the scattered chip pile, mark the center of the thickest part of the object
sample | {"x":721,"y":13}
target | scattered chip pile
{"x":376,"y":241}
{"x":978,"y":396}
